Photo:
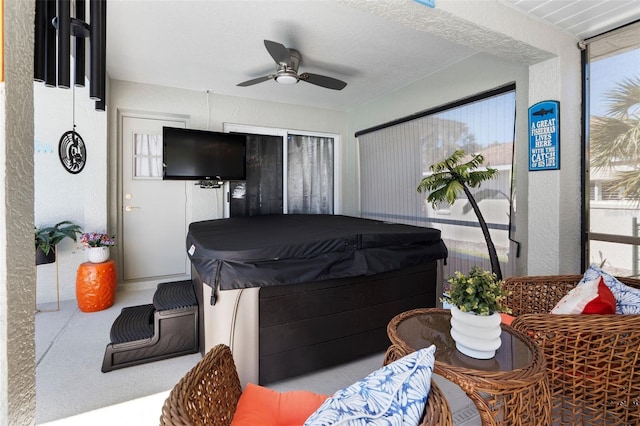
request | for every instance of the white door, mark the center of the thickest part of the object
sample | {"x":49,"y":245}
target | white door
{"x":153,"y":215}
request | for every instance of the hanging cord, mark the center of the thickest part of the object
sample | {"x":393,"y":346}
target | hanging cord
{"x":73,"y":112}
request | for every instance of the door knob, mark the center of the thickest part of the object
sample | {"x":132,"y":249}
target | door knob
{"x":130,"y":208}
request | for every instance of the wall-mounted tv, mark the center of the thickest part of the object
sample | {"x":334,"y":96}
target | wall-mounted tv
{"x":203,"y":155}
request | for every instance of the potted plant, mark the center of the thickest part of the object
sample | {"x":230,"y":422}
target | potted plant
{"x":477,"y":300}
{"x":452,"y":176}
{"x":48,"y":237}
{"x":97,"y":245}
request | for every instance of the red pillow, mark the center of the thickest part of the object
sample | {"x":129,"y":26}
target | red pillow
{"x":591,"y":297}
{"x":260,"y":406}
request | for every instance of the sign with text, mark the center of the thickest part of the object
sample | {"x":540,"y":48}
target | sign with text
{"x":544,"y":136}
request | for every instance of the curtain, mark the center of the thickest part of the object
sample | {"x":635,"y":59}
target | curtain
{"x":309,"y":174}
{"x":261,"y":193}
{"x":148,"y":156}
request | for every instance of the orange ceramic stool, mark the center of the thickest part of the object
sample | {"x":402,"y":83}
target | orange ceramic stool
{"x":96,"y":285}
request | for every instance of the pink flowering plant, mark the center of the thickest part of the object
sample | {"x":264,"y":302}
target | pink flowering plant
{"x":97,"y":239}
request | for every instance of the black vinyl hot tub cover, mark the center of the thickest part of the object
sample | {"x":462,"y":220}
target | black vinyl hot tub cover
{"x":267,"y":250}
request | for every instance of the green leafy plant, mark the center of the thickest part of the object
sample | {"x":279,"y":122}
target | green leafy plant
{"x":480,"y":292}
{"x":48,"y":237}
{"x":452,"y":176}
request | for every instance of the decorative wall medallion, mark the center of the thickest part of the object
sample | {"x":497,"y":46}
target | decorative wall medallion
{"x":72,"y":152}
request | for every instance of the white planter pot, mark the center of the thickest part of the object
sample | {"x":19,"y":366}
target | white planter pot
{"x":477,"y":336}
{"x":97,"y":254}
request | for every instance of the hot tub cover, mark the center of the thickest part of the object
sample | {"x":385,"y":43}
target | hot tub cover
{"x":260,"y":251}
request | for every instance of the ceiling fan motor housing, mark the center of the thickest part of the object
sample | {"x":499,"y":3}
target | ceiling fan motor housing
{"x":288,"y":73}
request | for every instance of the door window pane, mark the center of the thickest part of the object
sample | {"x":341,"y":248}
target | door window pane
{"x":147,"y":156}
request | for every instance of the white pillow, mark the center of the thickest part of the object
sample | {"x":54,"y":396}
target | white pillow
{"x":393,"y":395}
{"x":627,"y":298}
{"x":591,"y":297}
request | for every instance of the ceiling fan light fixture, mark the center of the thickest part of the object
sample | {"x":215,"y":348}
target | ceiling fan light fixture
{"x":287,"y":78}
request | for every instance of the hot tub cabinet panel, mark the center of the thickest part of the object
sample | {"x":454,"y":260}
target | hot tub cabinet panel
{"x":317,"y":325}
{"x":283,"y":331}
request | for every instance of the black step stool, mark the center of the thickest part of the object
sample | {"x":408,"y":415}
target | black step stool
{"x":165,"y":329}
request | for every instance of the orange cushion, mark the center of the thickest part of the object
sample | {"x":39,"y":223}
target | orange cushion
{"x":259,"y":406}
{"x":506,"y":318}
{"x":591,"y":297}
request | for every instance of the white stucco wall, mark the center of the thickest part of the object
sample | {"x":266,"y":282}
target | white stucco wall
{"x":4,"y":414}
{"x":553,"y":200}
{"x":209,"y":111}
{"x":554,"y":229}
{"x":60,"y":195}
{"x":17,"y":273}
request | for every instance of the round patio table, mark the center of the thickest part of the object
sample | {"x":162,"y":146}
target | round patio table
{"x":511,"y":388}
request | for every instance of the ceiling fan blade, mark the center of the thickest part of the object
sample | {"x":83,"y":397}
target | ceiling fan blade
{"x":278,"y":52}
{"x":255,"y":81}
{"x":323,"y":81}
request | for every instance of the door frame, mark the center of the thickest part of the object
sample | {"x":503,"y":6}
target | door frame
{"x":117,"y":190}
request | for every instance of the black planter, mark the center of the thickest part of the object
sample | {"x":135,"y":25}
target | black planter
{"x":42,"y":259}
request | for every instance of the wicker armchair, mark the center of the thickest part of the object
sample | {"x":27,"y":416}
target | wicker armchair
{"x":209,"y":394}
{"x":593,"y":361}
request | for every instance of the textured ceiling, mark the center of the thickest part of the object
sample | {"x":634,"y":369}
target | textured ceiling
{"x":376,"y":46}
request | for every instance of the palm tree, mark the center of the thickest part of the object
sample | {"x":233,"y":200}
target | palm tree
{"x":449,"y":178}
{"x":615,"y":138}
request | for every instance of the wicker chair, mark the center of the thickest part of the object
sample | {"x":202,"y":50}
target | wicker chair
{"x":593,"y":361}
{"x":209,"y":394}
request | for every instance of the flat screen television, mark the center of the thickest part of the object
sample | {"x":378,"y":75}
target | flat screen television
{"x":189,"y":154}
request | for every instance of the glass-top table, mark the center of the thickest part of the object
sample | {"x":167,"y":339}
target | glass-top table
{"x":511,"y":388}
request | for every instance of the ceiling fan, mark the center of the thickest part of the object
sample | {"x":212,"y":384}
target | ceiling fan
{"x":287,"y":72}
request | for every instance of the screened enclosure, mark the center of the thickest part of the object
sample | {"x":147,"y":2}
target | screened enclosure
{"x":612,"y":150}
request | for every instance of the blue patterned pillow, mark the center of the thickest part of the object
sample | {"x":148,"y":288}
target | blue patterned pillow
{"x":627,"y":298}
{"x":393,"y":395}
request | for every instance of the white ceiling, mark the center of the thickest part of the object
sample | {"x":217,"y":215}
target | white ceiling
{"x":580,"y":18}
{"x":213,"y":45}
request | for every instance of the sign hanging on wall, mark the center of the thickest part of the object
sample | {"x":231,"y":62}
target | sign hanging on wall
{"x":544,"y":136}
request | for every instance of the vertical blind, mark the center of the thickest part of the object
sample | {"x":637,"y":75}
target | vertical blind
{"x":394,"y":158}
